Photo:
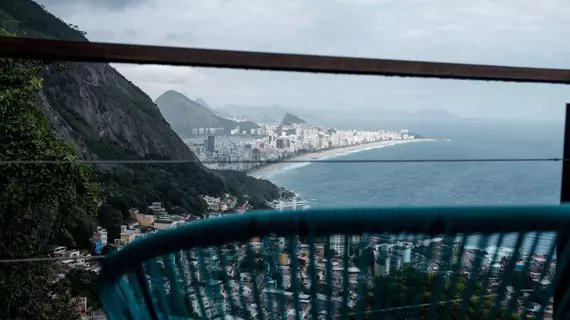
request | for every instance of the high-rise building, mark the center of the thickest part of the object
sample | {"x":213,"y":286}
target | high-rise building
{"x":395,"y":262}
{"x":210,"y":145}
{"x":407,"y":255}
{"x":337,"y":242}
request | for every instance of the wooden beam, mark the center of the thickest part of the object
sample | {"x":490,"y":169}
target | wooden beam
{"x":52,"y":50}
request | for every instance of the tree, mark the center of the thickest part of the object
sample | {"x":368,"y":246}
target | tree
{"x":410,"y":286}
{"x":40,"y":204}
{"x":81,"y":283}
{"x":366,"y":258}
{"x":111,"y":219}
{"x":332,"y":253}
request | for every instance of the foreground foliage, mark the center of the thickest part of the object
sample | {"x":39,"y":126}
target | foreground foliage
{"x":40,"y":203}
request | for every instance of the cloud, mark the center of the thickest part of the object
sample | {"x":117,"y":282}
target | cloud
{"x":507,"y":32}
{"x":105,"y":4}
{"x":163,"y":74}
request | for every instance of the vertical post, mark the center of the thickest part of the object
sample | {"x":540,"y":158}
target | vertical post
{"x":563,"y":285}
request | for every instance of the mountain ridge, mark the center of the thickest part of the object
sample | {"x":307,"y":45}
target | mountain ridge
{"x":92,"y":104}
{"x":185,"y":114}
{"x":264,"y":115}
{"x":104,"y":116}
{"x":204,"y":104}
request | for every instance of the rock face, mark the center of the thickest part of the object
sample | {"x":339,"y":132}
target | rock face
{"x":107,"y":116}
{"x":91,"y":105}
{"x":185,"y":114}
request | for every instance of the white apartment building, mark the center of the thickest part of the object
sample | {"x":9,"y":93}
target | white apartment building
{"x":337,"y":242}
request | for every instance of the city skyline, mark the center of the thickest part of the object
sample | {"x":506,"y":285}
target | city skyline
{"x":274,"y":143}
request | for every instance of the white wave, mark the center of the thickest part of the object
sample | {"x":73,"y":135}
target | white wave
{"x":355,"y":151}
{"x":290,"y":167}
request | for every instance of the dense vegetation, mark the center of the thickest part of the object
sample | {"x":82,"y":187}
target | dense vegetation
{"x":41,"y":203}
{"x":80,"y":283}
{"x":57,"y":203}
{"x":255,"y":191}
{"x":412,"y":287}
{"x":127,"y":186}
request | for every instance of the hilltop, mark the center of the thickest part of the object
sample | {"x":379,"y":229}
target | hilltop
{"x":185,"y":114}
{"x":204,"y":104}
{"x":290,"y":119}
{"x":265,"y":115}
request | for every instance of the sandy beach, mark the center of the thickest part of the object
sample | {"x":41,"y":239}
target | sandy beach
{"x":266,"y":170}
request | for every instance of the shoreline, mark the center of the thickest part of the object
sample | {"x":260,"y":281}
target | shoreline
{"x":263,"y":171}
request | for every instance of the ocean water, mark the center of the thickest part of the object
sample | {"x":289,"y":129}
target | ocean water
{"x":425,"y":184}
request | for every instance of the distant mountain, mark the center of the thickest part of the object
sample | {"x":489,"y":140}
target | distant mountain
{"x":203,"y":103}
{"x":185,"y":114}
{"x":272,"y":114}
{"x":265,"y":115}
{"x":224,"y":114}
{"x":290,"y":119}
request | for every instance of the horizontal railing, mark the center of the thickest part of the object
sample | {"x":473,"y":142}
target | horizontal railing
{"x":63,"y":50}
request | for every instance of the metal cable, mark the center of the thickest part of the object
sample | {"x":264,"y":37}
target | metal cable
{"x":370,"y":312}
{"x":50,"y":259}
{"x":13,"y":162}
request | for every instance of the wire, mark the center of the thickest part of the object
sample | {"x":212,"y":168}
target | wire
{"x":368,"y":312}
{"x":13,"y":162}
{"x":50,"y":259}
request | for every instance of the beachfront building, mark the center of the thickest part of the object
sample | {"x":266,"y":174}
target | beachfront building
{"x":282,"y":142}
{"x":293,"y":204}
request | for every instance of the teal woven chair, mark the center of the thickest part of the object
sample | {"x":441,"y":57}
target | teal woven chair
{"x":385,"y":263}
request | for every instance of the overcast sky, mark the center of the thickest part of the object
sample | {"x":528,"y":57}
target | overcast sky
{"x":510,"y":32}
